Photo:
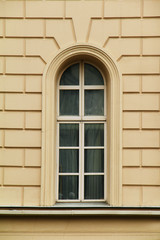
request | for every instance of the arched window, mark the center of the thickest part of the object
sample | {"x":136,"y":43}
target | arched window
{"x":81,"y":128}
{"x":81,"y":124}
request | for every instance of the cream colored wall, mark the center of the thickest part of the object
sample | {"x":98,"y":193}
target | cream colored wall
{"x":83,"y":228}
{"x":31,"y":32}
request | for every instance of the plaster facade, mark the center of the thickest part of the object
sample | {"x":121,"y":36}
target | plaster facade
{"x":32,"y":34}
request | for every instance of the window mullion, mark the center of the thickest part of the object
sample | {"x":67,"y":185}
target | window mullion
{"x":82,"y":132}
{"x":82,"y":161}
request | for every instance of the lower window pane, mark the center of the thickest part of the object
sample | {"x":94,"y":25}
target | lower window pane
{"x":68,"y":160}
{"x":94,"y":160}
{"x":94,"y":187}
{"x":68,"y":187}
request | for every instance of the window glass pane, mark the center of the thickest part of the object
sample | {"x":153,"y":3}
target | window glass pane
{"x":69,"y":134}
{"x":94,"y":102}
{"x":68,"y":160}
{"x":69,"y":102}
{"x":94,"y":134}
{"x":92,"y":76}
{"x":70,"y":75}
{"x":68,"y":187}
{"x":94,"y":160}
{"x":94,"y":187}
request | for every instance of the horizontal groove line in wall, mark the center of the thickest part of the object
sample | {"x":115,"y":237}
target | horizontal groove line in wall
{"x":125,"y":92}
{"x":141,"y":36}
{"x":26,"y":93}
{"x":151,"y":17}
{"x":133,"y":17}
{"x":15,"y":110}
{"x":18,"y":147}
{"x":141,"y":111}
{"x":141,"y":129}
{"x":18,"y":166}
{"x":133,"y":148}
{"x":11,"y":55}
{"x":21,"y":148}
{"x":151,"y":129}
{"x":20,"y":92}
{"x":21,"y":129}
{"x":9,"y":18}
{"x":140,"y":185}
{"x":150,"y":55}
{"x":47,"y":18}
{"x":130,"y":128}
{"x":24,"y":74}
{"x":133,"y":92}
{"x":140,"y":74}
{"x":141,"y":167}
{"x":21,"y":167}
{"x":68,"y":18}
{"x":15,"y":186}
{"x":34,"y":37}
{"x":139,"y":55}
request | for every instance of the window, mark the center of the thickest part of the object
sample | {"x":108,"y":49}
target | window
{"x":81,"y":125}
{"x":53,"y":119}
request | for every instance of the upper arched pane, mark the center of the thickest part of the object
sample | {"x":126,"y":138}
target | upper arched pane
{"x":92,"y":76}
{"x":70,"y":75}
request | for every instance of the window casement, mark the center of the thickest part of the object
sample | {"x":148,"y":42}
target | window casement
{"x":81,"y":131}
{"x":94,"y":121}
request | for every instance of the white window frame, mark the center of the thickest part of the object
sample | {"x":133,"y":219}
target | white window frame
{"x":108,"y":66}
{"x":81,"y":120}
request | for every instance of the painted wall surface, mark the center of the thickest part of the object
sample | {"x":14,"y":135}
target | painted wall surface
{"x":31,"y":33}
{"x":83,"y":228}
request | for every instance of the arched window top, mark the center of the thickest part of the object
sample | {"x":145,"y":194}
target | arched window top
{"x":82,"y":91}
{"x":92,"y":76}
{"x":71,"y":75}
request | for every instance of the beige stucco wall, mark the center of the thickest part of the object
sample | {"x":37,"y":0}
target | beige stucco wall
{"x":79,"y":228}
{"x":31,"y":33}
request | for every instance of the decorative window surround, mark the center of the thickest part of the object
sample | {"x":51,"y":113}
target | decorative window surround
{"x":114,"y":132}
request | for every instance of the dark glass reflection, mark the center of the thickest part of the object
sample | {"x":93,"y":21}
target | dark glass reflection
{"x":70,"y":75}
{"x":69,"y":134}
{"x":94,"y":102}
{"x":68,"y":187}
{"x":94,"y":134}
{"x":68,"y":160}
{"x":94,"y":160}
{"x":92,"y":76}
{"x":94,"y":187}
{"x":69,"y":102}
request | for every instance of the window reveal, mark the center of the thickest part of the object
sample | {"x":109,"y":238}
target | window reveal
{"x":81,"y":134}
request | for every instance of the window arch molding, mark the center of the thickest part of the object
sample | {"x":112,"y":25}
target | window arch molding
{"x":103,"y":61}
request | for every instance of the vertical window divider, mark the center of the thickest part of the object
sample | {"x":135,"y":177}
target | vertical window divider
{"x":82,"y":130}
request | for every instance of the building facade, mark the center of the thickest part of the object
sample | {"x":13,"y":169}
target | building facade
{"x":79,"y":119}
